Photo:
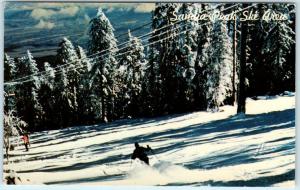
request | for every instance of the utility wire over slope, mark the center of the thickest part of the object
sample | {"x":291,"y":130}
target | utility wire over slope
{"x":98,"y":54}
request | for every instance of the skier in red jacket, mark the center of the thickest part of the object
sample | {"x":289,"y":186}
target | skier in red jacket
{"x":25,"y":139}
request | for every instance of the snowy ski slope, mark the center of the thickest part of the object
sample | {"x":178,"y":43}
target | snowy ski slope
{"x":200,"y":148}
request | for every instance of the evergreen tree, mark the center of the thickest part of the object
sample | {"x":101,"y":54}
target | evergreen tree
{"x":203,"y":32}
{"x":64,"y":103}
{"x":28,"y":106}
{"x":46,"y":96}
{"x":103,"y":42}
{"x":86,"y":64}
{"x":163,"y":60}
{"x":13,"y":127}
{"x":9,"y":68}
{"x":187,"y":45}
{"x":9,"y":75}
{"x":84,"y":94}
{"x":67,"y":82}
{"x":152,"y":84}
{"x":278,"y":43}
{"x":269,"y":43}
{"x":217,"y":66}
{"x":132,"y":62}
{"x":66,"y":55}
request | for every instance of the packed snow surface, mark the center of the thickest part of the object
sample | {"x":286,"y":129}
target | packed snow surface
{"x":200,"y":148}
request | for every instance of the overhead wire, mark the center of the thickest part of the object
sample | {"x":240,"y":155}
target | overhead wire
{"x":36,"y":74}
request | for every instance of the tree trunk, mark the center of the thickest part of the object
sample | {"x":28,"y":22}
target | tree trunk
{"x":103,"y":98}
{"x":7,"y":149}
{"x":234,"y":64}
{"x":242,"y":94}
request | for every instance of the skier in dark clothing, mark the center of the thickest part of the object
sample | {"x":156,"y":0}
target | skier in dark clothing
{"x":140,"y":153}
{"x":11,"y":179}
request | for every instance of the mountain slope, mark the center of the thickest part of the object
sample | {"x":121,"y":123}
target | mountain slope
{"x":200,"y":148}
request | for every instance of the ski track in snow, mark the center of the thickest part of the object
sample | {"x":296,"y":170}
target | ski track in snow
{"x":200,"y":148}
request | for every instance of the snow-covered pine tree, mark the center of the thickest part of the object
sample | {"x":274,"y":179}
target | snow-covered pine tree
{"x":86,"y":64}
{"x":84,"y":93}
{"x":64,"y":100}
{"x":187,"y":46}
{"x":162,"y":60}
{"x":279,"y":40}
{"x":46,"y":96}
{"x":152,"y":84}
{"x":13,"y":127}
{"x":133,"y":61}
{"x":255,"y":61}
{"x":9,"y":75}
{"x":66,"y":85}
{"x":203,"y":32}
{"x":9,"y":68}
{"x":217,"y":66}
{"x":234,"y":34}
{"x":49,"y":76}
{"x":269,"y":44}
{"x":103,"y":42}
{"x":28,"y":106}
{"x":66,"y":54}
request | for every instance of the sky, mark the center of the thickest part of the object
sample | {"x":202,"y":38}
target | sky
{"x":40,"y":26}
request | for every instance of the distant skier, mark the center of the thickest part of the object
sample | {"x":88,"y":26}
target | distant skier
{"x":25,"y":139}
{"x":141,"y":153}
{"x":11,"y":179}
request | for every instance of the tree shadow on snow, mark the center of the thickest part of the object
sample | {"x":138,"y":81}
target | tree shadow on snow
{"x":201,"y":133}
{"x":69,"y":134}
{"x":264,"y":181}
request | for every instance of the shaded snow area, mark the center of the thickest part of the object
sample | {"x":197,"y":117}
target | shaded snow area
{"x":198,"y":149}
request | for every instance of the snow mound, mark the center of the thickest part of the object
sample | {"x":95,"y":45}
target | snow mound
{"x":161,"y":173}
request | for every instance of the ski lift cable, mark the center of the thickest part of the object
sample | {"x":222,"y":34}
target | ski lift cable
{"x":82,"y":33}
{"x":147,"y":39}
{"x":154,"y":31}
{"x":15,"y":81}
{"x":90,"y":56}
{"x":74,"y":68}
{"x":134,"y":29}
{"x":124,"y":43}
{"x":157,"y":35}
{"x":79,"y":67}
{"x":172,"y":36}
{"x":139,"y":37}
{"x":113,"y":48}
{"x":146,"y":45}
{"x":36,"y":74}
{"x":118,"y":55}
{"x":130,"y":50}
